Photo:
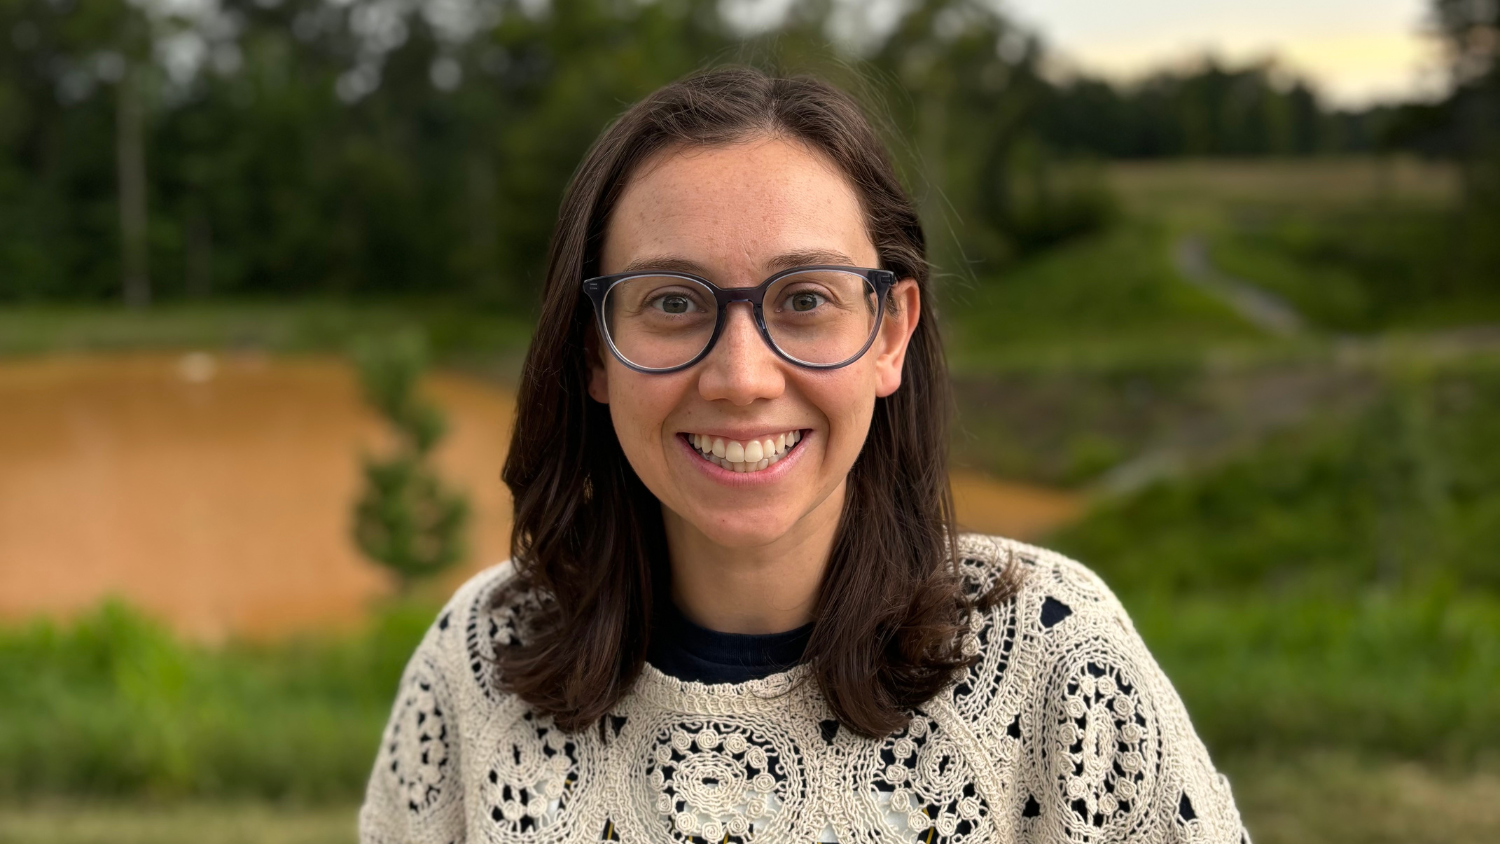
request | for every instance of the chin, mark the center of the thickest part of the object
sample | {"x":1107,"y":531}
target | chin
{"x":744,"y":536}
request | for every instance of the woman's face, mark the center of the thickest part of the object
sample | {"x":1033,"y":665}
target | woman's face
{"x":736,"y":215}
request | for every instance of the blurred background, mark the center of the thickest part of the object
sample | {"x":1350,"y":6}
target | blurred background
{"x":1220,"y":285}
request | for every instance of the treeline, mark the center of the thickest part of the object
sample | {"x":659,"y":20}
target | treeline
{"x":394,"y":147}
{"x":1211,"y":110}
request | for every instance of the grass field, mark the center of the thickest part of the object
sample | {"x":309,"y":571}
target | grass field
{"x":456,"y":332}
{"x":61,"y":822}
{"x":1317,"y":797}
{"x":1109,"y":300}
{"x":1356,"y":245}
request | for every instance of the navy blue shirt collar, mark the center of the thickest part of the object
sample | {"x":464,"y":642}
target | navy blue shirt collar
{"x":684,"y":650}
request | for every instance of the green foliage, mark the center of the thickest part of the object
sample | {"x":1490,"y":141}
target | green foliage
{"x":389,"y":371}
{"x":113,"y":705}
{"x":1334,"y":587}
{"x":406,"y":519}
{"x":1048,"y":201}
{"x":308,"y":154}
{"x":1329,"y":296}
{"x":458,"y":333}
{"x":1207,"y":110}
{"x":1103,"y":299}
{"x":1358,"y":269}
{"x":1397,"y":674}
{"x":1401,"y":496}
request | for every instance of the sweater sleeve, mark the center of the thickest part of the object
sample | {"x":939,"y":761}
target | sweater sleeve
{"x":1115,"y":757}
{"x":415,"y":793}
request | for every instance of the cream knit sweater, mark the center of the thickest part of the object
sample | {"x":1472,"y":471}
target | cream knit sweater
{"x":1064,"y":730}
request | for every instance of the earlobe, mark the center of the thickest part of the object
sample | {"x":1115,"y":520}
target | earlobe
{"x":598,"y":373}
{"x":598,"y":383}
{"x":895,"y":336}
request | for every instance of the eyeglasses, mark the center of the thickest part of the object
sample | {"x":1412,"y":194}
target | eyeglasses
{"x":819,"y":317}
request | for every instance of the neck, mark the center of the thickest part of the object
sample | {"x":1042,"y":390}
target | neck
{"x":767,"y":588}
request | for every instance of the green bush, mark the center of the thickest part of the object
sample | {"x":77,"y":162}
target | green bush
{"x":114,"y":705}
{"x":1409,"y":675}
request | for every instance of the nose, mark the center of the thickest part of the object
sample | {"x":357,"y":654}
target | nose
{"x":741,"y":368}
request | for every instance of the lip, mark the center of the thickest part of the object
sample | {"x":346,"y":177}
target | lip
{"x":768,"y":475}
{"x":744,"y":434}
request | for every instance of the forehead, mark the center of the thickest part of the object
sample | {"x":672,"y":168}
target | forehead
{"x":734,"y":208}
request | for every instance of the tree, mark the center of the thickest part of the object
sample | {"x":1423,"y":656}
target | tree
{"x":1470,"y":30}
{"x":406,"y":519}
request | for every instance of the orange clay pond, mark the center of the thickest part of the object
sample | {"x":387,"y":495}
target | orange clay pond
{"x":213,"y":491}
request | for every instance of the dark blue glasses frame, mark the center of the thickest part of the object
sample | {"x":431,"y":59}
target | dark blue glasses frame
{"x":880,"y":281}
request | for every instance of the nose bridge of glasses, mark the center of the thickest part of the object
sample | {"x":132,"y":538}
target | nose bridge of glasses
{"x":748,"y":312}
{"x":748,"y":295}
{"x":739,"y":334}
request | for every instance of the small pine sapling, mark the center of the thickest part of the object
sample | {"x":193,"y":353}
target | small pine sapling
{"x":406,"y":519}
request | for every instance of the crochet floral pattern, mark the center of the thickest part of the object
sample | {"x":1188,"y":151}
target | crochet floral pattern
{"x":1063,"y":729}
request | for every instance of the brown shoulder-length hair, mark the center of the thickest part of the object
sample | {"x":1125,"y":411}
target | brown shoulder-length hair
{"x":589,"y":543}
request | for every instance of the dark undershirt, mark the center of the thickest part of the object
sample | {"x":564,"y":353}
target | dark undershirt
{"x":681,"y":649}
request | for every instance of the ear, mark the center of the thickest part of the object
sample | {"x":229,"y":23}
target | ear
{"x":895,"y":334}
{"x":593,"y":350}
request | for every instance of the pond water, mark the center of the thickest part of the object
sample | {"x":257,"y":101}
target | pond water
{"x":211,"y":491}
{"x":214,"y":491}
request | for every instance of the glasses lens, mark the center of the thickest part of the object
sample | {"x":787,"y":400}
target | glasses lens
{"x":821,"y":317}
{"x":659,"y":322}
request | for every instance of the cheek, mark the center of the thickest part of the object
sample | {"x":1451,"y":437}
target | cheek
{"x":638,"y":406}
{"x":848,"y":402}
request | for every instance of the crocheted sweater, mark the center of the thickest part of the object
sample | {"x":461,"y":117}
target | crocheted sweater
{"x":1064,"y":729}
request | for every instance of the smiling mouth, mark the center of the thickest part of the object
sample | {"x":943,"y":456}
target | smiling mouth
{"x":747,"y":456}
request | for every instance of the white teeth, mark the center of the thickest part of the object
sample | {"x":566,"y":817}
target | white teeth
{"x":749,"y":456}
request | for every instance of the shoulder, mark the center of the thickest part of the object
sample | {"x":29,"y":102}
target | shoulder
{"x":1065,"y":687}
{"x":488,"y":611}
{"x":1056,"y":613}
{"x":1058,"y":604}
{"x":447,"y":689}
{"x":452,"y":670}
{"x":984,"y":559}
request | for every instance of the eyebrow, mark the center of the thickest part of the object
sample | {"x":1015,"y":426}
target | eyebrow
{"x":784,"y":261}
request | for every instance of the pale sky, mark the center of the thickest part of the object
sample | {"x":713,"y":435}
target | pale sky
{"x":1353,"y":51}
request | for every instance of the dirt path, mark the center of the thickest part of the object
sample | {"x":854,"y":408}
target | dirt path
{"x":214,"y":491}
{"x":1266,"y":310}
{"x":1021,"y":511}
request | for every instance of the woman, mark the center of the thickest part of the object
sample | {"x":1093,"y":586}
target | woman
{"x":738,"y":608}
